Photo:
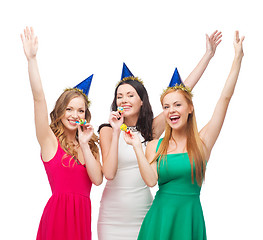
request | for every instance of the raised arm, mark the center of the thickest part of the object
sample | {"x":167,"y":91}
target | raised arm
{"x":211,"y":44}
{"x":148,"y":170}
{"x":210,"y":132}
{"x":45,"y":136}
{"x":109,"y":143}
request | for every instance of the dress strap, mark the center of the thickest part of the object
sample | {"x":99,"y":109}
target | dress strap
{"x":158,"y":145}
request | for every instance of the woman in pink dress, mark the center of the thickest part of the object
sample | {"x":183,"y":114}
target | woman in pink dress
{"x":69,"y":154}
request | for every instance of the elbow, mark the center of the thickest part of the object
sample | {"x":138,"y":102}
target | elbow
{"x":109,"y":175}
{"x":226,"y":98}
{"x":97,"y":178}
{"x":98,"y":182}
{"x":151,"y":183}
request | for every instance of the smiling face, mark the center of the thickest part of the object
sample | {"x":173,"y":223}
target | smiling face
{"x":176,"y":109}
{"x":128,"y":98}
{"x":75,"y":111}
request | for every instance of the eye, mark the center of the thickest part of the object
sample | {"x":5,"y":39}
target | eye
{"x":131,"y":95}
{"x":165,"y":107}
{"x":68,"y":109}
{"x":119,"y":97}
{"x":81,"y":111}
{"x":178,"y":104}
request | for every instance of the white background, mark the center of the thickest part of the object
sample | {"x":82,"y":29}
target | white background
{"x":78,"y":38}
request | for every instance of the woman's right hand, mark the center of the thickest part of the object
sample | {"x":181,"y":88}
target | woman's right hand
{"x":30,"y":43}
{"x":116,"y":120}
{"x":212,"y":42}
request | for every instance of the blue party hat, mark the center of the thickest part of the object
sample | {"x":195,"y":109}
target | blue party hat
{"x":84,"y":86}
{"x":126,"y":72}
{"x":176,"y":83}
{"x":176,"y":79}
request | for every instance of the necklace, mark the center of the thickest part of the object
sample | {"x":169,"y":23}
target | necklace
{"x":132,"y":128}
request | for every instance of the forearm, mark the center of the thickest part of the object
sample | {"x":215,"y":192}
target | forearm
{"x":147,"y":173}
{"x":198,"y":71}
{"x":230,"y":84}
{"x":93,"y":166}
{"x":40,"y":105}
{"x":158,"y":126}
{"x":35,"y":81}
{"x":110,"y":162}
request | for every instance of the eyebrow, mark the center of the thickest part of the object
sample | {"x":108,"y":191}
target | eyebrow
{"x":83,"y":108}
{"x":172,"y":103}
{"x":126,"y":93}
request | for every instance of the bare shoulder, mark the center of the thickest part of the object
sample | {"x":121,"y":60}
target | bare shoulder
{"x":152,"y":144}
{"x":105,"y":139}
{"x":151,"y":148}
{"x":105,"y":132}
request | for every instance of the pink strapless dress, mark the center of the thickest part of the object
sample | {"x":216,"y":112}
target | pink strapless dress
{"x":67,"y":215}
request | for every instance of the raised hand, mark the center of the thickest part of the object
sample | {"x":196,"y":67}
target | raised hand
{"x":132,"y":139}
{"x":213,"y":41}
{"x":238,"y":44}
{"x":210,"y":132}
{"x":92,"y":162}
{"x":85,"y":133}
{"x":30,"y":43}
{"x":211,"y":44}
{"x":116,"y":120}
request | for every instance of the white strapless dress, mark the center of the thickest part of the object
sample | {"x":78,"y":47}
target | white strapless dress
{"x":125,"y":200}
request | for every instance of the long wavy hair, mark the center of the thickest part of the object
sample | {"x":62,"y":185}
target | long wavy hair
{"x":194,"y":145}
{"x":145,"y":119}
{"x":58,"y":128}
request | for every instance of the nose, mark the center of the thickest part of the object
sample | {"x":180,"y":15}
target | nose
{"x":172,"y":109}
{"x":124,"y":99}
{"x":75,"y":114}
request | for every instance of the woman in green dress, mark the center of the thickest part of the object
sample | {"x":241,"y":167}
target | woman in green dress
{"x":178,"y":161}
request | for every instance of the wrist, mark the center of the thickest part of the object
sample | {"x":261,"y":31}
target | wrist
{"x":239,"y":55}
{"x":32,"y":59}
{"x":209,"y":54}
{"x":137,"y":146}
{"x":116,"y":131}
{"x":84,"y":145}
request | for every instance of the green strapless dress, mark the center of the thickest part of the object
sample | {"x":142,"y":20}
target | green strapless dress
{"x":176,"y":212}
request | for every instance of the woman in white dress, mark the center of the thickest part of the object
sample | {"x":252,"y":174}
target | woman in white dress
{"x":126,"y":198}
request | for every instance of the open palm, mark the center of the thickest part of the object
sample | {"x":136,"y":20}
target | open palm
{"x":30,"y":43}
{"x":213,"y":41}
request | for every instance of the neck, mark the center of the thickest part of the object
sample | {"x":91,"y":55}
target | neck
{"x":131,"y":121}
{"x":71,"y":136}
{"x":179,"y":135}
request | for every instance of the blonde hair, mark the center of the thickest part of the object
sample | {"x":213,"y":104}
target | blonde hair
{"x":58,"y":127}
{"x":194,"y":143}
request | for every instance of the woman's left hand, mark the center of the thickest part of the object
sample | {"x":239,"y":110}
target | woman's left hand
{"x":132,"y":139}
{"x":238,"y":44}
{"x":85,"y":133}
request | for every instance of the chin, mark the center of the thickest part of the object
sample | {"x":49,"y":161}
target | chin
{"x":175,"y":126}
{"x":128,"y":114}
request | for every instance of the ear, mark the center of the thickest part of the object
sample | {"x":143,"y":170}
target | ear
{"x":191,"y":109}
{"x":141,"y":103}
